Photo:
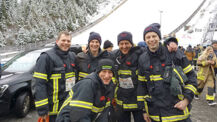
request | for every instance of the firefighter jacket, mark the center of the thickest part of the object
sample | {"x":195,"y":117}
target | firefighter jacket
{"x":190,"y":54}
{"x":154,"y":92}
{"x":53,"y":77}
{"x":88,"y":98}
{"x":88,"y":63}
{"x":205,"y":67}
{"x":127,"y":78}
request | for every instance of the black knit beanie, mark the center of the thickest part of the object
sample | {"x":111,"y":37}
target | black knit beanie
{"x":125,"y":36}
{"x":94,"y":35}
{"x":170,"y":39}
{"x":155,"y":27}
{"x":107,"y":44}
{"x":104,"y":64}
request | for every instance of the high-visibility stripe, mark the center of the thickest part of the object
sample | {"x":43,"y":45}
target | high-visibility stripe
{"x":41,"y":102}
{"x":187,"y":69}
{"x":130,"y":106}
{"x":119,"y":102}
{"x":126,"y":106}
{"x":147,"y":96}
{"x":97,"y":110}
{"x":55,"y":95}
{"x":70,"y":74}
{"x":203,"y":63}
{"x":40,"y":75}
{"x":155,"y":118}
{"x":81,"y":104}
{"x":141,"y":78}
{"x":155,"y":77}
{"x":146,"y":107}
{"x":53,"y":113}
{"x":114,"y":80}
{"x":178,"y":75}
{"x":180,"y":96}
{"x":108,"y":104}
{"x":66,"y":102}
{"x":82,"y":74}
{"x":137,"y":72}
{"x":191,"y":87}
{"x":140,"y":98}
{"x":201,"y":77}
{"x":210,"y":97}
{"x":55,"y":76}
{"x":124,"y":72}
{"x":172,"y":118}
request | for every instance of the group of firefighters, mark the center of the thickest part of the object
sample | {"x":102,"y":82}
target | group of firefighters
{"x":153,"y":83}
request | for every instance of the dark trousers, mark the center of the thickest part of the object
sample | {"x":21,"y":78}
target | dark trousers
{"x":52,"y":118}
{"x":126,"y":116}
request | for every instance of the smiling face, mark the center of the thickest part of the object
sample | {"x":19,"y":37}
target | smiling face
{"x":64,"y":42}
{"x":106,"y":76}
{"x":152,"y":40}
{"x":125,"y":46}
{"x":94,"y":45}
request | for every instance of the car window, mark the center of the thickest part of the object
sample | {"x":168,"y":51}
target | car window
{"x":23,"y":63}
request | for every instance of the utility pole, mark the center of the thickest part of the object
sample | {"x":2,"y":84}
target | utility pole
{"x":161,"y":17}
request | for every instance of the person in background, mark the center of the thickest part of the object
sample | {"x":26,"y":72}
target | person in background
{"x":108,"y":46}
{"x":126,"y":58}
{"x":182,"y":48}
{"x":206,"y":75}
{"x":214,"y":46}
{"x":90,"y":97}
{"x":197,"y":52}
{"x":143,"y":45}
{"x":166,"y":97}
{"x":88,"y":60}
{"x":189,"y":52}
{"x":54,"y":75}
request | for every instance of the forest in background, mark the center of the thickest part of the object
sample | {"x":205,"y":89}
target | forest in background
{"x":31,"y":21}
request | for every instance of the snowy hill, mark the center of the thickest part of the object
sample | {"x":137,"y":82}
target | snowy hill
{"x":198,"y":25}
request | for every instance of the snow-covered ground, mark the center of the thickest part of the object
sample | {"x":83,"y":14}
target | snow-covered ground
{"x":134,"y":16}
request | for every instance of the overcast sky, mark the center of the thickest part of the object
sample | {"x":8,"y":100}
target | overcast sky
{"x":135,"y":15}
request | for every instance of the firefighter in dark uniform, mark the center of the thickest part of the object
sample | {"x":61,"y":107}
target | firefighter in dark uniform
{"x":88,"y":61}
{"x":167,"y":80}
{"x":126,"y":61}
{"x":54,"y":75}
{"x":90,"y":97}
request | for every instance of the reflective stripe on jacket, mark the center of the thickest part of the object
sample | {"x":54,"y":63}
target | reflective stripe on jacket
{"x":49,"y":80}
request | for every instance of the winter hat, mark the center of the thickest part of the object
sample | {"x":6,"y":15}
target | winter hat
{"x":104,"y":64}
{"x":94,"y":35}
{"x":125,"y":36}
{"x":142,"y":44}
{"x":155,"y":27}
{"x":107,"y":44}
{"x":170,"y":39}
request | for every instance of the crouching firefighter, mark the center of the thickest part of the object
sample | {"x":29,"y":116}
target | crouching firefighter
{"x":89,"y":100}
{"x":167,"y":80}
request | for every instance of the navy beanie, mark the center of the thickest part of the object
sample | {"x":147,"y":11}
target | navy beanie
{"x":125,"y":36}
{"x":155,"y":27}
{"x":94,"y":35}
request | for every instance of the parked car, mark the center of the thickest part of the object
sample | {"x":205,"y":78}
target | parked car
{"x":15,"y":83}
